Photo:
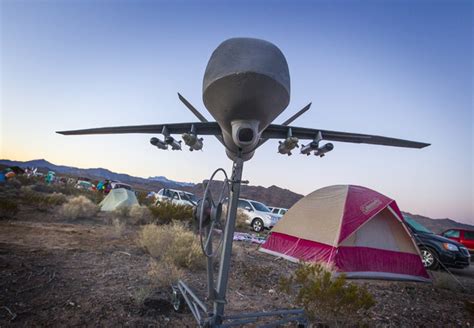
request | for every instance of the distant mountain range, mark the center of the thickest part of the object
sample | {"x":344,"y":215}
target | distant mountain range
{"x":272,"y":196}
{"x":165,"y":180}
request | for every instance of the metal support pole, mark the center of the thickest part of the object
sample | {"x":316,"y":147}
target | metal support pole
{"x":226,"y":253}
{"x":210,"y":267}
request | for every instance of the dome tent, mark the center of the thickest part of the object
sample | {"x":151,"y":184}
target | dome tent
{"x":117,"y":198}
{"x":356,"y":229}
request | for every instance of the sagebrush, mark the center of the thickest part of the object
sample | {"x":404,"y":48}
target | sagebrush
{"x":326,"y":296}
{"x":79,"y":207}
{"x":164,"y":274}
{"x":165,"y":212}
{"x":140,"y":215}
{"x":172,"y":244}
{"x":42,"y":200}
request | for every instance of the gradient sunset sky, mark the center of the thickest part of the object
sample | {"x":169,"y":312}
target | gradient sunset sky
{"x":397,"y":68}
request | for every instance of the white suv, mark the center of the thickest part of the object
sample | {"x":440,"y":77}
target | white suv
{"x":278,"y":210}
{"x":177,"y":197}
{"x":259,"y":216}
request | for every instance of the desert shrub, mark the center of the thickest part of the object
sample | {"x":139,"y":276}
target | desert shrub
{"x":122,"y":212}
{"x":164,"y":274}
{"x":14,"y":183}
{"x":8,"y":208}
{"x":326,"y":296}
{"x":240,"y":224}
{"x":141,"y":294}
{"x":172,"y":244}
{"x":143,"y":199}
{"x":118,"y":227}
{"x":79,"y":207}
{"x":41,"y":187}
{"x":140,"y":215}
{"x":42,"y":200}
{"x":165,"y":212}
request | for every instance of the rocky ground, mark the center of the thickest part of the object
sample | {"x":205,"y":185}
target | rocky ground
{"x":55,"y":272}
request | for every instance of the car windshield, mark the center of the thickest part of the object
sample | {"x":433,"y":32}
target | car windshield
{"x":260,"y":207}
{"x":416,"y":226}
{"x":190,"y":197}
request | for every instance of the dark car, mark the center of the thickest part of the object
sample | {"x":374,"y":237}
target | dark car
{"x":436,"y":250}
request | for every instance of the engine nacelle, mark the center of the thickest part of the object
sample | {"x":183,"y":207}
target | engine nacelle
{"x":324,"y":149}
{"x":191,"y":140}
{"x":288,"y":145}
{"x":158,"y":143}
{"x":175,"y":145}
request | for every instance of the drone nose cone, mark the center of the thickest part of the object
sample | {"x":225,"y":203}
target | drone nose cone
{"x":246,"y":79}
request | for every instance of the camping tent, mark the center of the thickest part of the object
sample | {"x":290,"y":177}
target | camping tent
{"x":118,"y":198}
{"x":358,"y":230}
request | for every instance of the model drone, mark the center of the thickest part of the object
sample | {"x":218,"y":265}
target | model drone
{"x":246,"y":87}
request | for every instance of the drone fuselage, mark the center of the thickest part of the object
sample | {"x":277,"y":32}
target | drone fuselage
{"x":246,"y":86}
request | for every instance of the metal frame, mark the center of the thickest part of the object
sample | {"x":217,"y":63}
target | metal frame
{"x":215,"y":318}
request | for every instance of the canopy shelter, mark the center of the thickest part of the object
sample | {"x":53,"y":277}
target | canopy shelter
{"x":356,"y":229}
{"x":117,"y":198}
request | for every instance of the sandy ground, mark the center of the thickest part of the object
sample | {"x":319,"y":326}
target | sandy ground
{"x":59,"y":273}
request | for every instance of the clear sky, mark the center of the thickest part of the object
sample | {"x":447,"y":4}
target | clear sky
{"x":396,"y":68}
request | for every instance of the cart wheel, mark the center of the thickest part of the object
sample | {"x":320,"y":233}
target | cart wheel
{"x":177,"y":300}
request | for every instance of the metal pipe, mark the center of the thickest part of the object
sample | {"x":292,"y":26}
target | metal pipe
{"x":210,"y":267}
{"x":226,"y":253}
{"x":264,"y":314}
{"x":187,"y":290}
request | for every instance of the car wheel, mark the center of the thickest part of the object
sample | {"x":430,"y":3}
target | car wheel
{"x":429,"y":258}
{"x":257,"y":225}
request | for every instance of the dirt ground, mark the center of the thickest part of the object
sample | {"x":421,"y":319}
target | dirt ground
{"x":59,"y":273}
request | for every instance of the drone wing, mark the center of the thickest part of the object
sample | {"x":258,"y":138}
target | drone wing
{"x":200,"y":128}
{"x":275,"y":131}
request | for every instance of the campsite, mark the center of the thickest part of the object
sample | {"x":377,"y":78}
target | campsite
{"x":94,"y":271}
{"x":236,"y":163}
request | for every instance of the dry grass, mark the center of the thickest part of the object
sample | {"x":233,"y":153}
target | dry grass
{"x":43,"y":201}
{"x":141,"y":294}
{"x":140,"y":215}
{"x":122,"y":212}
{"x":164,"y":274}
{"x":118,"y":227}
{"x":172,"y":244}
{"x":79,"y":207}
{"x":241,"y":225}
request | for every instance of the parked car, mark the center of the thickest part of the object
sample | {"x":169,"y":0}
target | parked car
{"x":463,"y":236}
{"x":84,"y":185}
{"x":278,"y":210}
{"x":437,"y":250}
{"x":259,"y":215}
{"x":178,"y":197}
{"x":117,"y":185}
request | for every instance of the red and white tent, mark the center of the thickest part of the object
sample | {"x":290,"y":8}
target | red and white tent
{"x":356,"y":229}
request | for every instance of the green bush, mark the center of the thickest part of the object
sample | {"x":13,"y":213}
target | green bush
{"x":165,"y":212}
{"x":8,"y":208}
{"x":326,"y":296}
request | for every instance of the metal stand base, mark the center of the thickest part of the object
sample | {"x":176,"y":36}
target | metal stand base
{"x":216,"y":318}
